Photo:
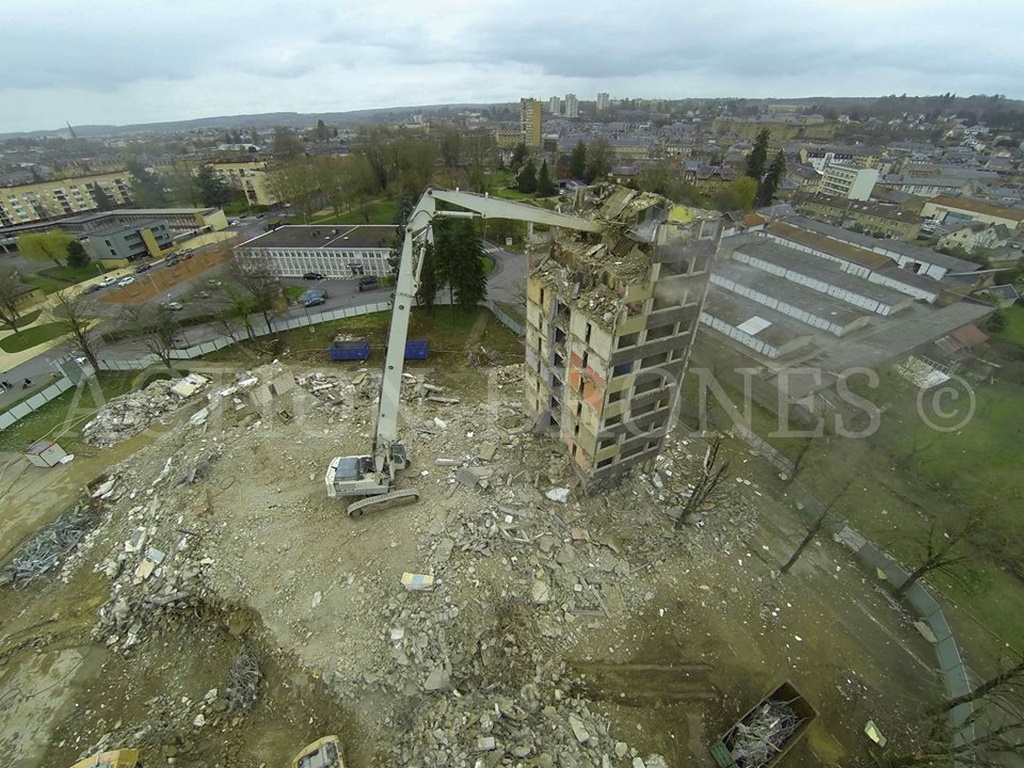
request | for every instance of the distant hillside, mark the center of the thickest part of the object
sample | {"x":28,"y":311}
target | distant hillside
{"x":260,"y":121}
{"x":998,"y":111}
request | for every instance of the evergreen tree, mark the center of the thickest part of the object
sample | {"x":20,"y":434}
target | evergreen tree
{"x":77,"y":257}
{"x":771,"y":179}
{"x":147,"y":186}
{"x":213,"y":191}
{"x":528,"y":178}
{"x":578,"y":161}
{"x":466,"y":267}
{"x":599,"y":162}
{"x":103,"y":200}
{"x":429,"y":283}
{"x":545,"y":186}
{"x":519,"y":155}
{"x":757,"y":160}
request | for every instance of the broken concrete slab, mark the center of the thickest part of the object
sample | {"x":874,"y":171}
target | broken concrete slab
{"x":487,"y":451}
{"x":578,"y":729}
{"x":417,"y":582}
{"x":561,"y":495}
{"x":540,"y":593}
{"x":471,"y":476}
{"x":437,"y":680}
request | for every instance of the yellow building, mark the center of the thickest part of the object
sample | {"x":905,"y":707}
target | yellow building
{"x":50,"y":199}
{"x":530,"y":121}
{"x":251,"y":178}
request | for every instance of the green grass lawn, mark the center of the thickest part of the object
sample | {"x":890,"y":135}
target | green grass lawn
{"x":64,"y":417}
{"x":30,"y":337}
{"x":377,"y":212}
{"x":26,"y":319}
{"x":71,"y":275}
{"x":974,"y":467}
{"x":292,"y":292}
{"x":46,"y":284}
{"x":446,"y":328}
{"x":488,"y":264}
{"x":1014,"y":331}
{"x":509,"y":193}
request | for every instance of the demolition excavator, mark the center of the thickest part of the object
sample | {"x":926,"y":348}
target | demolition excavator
{"x":370,"y":479}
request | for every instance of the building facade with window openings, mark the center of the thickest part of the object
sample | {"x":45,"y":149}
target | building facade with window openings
{"x":530,"y":121}
{"x":337,"y":251}
{"x":49,"y":200}
{"x":610,"y":324}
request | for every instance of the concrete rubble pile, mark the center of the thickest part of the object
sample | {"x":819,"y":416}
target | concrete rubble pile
{"x":130,"y":414}
{"x":49,"y":546}
{"x":514,"y":566}
{"x":156,"y":578}
{"x":518,"y":568}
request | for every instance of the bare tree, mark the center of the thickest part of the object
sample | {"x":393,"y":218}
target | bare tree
{"x":942,"y":552}
{"x":815,"y":528}
{"x":156,"y":326}
{"x":918,"y":449}
{"x":1008,"y":678}
{"x":259,"y":285}
{"x":987,"y":736}
{"x":80,"y":323}
{"x":711,"y":474}
{"x":12,"y":297}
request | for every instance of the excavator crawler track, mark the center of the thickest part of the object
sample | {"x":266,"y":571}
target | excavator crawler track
{"x":373,"y":503}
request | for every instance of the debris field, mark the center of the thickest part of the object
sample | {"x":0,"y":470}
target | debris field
{"x":506,"y":619}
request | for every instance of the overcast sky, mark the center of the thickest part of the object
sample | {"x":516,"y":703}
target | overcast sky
{"x":135,"y":61}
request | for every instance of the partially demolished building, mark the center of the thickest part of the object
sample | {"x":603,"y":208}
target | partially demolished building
{"x":610,"y":323}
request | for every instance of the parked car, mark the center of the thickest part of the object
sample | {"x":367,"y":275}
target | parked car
{"x":171,"y":260}
{"x":127,"y":280}
{"x":174,"y":306}
{"x":313,"y":298}
{"x":92,"y":288}
{"x":108,"y":280}
{"x":313,"y":276}
{"x":368,"y":283}
{"x":143,"y":268}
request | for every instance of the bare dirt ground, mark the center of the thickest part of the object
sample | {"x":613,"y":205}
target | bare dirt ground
{"x":575,"y":633}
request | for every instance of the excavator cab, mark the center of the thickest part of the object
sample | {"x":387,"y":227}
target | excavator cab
{"x":117,"y":758}
{"x":322,"y":753}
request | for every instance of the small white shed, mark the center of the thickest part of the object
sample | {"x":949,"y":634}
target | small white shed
{"x":44,"y":453}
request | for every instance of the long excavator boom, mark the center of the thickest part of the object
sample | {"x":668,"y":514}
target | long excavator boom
{"x":388,"y":453}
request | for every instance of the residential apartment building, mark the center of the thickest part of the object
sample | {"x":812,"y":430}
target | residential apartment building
{"x":878,"y":219}
{"x":603,"y":102}
{"x":340,"y":252}
{"x":555,"y":106}
{"x":975,"y":236}
{"x":610,"y":323}
{"x":572,"y":105}
{"x":251,"y":179}
{"x":530,"y":122}
{"x":848,"y":182}
{"x":53,"y":199}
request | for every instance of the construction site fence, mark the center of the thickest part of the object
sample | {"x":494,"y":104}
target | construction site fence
{"x":950,"y":663}
{"x":257,"y":327}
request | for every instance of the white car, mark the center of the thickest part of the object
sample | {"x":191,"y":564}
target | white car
{"x":127,"y":280}
{"x":108,"y":280}
{"x":174,"y":306}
